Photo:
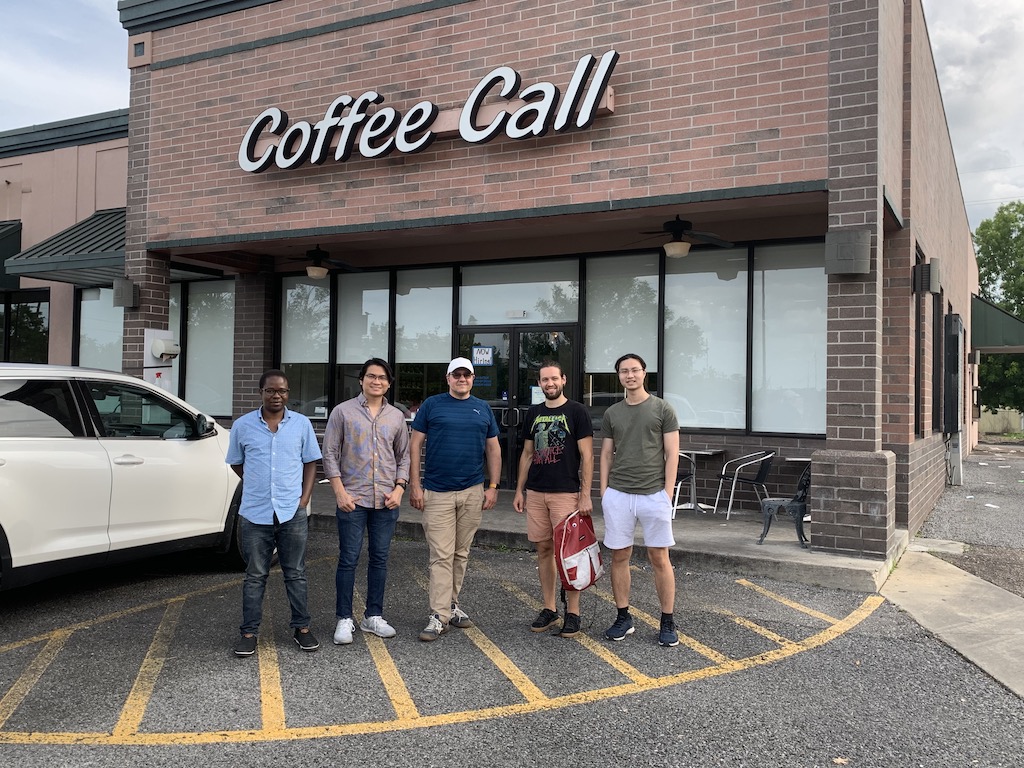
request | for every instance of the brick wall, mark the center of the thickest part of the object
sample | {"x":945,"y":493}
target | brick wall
{"x":707,"y":96}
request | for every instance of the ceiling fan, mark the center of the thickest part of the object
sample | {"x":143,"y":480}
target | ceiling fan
{"x":322,"y":263}
{"x":683,"y":235}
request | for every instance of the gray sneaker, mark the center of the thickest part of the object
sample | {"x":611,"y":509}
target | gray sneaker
{"x":343,"y":632}
{"x":377,"y":625}
{"x":460,"y":619}
{"x":434,"y":629}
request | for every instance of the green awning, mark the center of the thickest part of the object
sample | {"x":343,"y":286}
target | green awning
{"x":994,"y":329}
{"x":10,"y":244}
{"x":89,"y":254}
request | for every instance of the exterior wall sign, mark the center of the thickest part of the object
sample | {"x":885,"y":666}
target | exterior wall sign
{"x":347,"y":126}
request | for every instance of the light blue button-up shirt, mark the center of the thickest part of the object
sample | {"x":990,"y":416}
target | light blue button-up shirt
{"x":273,"y":463}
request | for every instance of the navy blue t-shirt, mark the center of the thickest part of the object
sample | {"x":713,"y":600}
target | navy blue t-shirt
{"x":457,"y":432}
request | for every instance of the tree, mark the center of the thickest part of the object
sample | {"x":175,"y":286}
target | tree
{"x":999,"y":243}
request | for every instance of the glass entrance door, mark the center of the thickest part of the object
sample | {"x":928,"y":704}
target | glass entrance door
{"x":507,"y":361}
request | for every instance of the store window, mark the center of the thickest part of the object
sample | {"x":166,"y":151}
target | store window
{"x":364,"y":324}
{"x":790,"y":312}
{"x":514,"y":294}
{"x":101,"y":329}
{"x":621,"y":317}
{"x":423,"y":335}
{"x":305,"y":342}
{"x":25,"y":326}
{"x":706,"y":338}
{"x":209,"y":353}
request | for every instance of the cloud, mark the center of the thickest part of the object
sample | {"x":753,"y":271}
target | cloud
{"x":61,"y":59}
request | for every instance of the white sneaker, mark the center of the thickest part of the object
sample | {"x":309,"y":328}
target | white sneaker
{"x":377,"y":626}
{"x":343,"y":632}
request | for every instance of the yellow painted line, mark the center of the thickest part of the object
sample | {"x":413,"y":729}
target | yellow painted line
{"x":516,"y":676}
{"x":271,"y":694}
{"x":692,"y":643}
{"x":787,"y":602}
{"x":585,"y":697}
{"x":145,"y":682}
{"x":784,"y":642}
{"x":117,"y":615}
{"x":595,"y":647}
{"x":23,"y":685}
{"x":394,"y":685}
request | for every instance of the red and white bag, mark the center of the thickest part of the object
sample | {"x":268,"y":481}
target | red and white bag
{"x":577,"y":553}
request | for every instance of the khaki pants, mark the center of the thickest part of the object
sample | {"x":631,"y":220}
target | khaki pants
{"x":450,"y":520}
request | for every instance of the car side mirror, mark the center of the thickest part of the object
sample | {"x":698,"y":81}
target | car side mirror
{"x":204,"y":425}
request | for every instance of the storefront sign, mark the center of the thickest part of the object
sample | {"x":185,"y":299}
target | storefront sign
{"x":347,"y":126}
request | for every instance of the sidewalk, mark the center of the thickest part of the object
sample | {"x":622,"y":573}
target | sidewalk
{"x":706,"y":542}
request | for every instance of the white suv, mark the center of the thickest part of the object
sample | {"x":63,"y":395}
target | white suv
{"x":98,"y":467}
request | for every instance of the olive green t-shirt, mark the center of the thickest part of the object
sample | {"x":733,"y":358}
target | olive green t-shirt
{"x":638,"y":432}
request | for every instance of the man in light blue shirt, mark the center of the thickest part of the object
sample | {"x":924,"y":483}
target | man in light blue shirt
{"x":274,"y":451}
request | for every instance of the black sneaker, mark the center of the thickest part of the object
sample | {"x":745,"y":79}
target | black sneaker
{"x":667,"y":635}
{"x":571,"y":625}
{"x":623,"y":626}
{"x":545,"y":620}
{"x":306,"y":639}
{"x":246,"y":645}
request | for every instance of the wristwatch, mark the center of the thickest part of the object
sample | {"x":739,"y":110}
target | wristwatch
{"x":402,"y":484}
{"x":494,"y":486}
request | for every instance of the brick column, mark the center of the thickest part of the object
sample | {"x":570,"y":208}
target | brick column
{"x":853,"y":491}
{"x":254,"y":339}
{"x":150,"y":272}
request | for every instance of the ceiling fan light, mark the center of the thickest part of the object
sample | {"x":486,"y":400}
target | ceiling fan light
{"x":316,"y":271}
{"x":676,"y":249}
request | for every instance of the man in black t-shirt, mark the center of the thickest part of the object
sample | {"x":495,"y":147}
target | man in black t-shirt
{"x":557,"y":467}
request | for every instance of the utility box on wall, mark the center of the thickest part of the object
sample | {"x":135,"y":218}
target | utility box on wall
{"x":848,"y":252}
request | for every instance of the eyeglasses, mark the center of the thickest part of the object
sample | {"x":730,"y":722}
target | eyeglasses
{"x":458,"y":375}
{"x":633,"y":371}
{"x":272,"y":392}
{"x":374,"y":377}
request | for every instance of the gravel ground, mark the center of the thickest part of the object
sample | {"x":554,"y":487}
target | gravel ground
{"x":987,"y":514}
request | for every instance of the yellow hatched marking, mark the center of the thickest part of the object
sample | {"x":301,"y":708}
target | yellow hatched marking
{"x":516,"y":676}
{"x":785,"y":642}
{"x":395,"y":686}
{"x":596,"y":648}
{"x":145,"y":682}
{"x":508,"y":667}
{"x":585,"y":697}
{"x":692,"y":643}
{"x":24,"y":684}
{"x":271,"y":695}
{"x":787,"y":602}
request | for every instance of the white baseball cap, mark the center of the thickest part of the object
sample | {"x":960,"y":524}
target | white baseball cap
{"x":460,"y":362}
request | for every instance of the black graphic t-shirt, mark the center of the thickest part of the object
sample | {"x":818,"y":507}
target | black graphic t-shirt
{"x":556,"y":454}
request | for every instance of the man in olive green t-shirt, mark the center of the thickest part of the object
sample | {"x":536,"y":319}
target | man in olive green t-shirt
{"x":639,"y":460}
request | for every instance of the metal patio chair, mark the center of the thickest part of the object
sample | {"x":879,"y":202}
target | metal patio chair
{"x":731,"y":472}
{"x":796,"y":508}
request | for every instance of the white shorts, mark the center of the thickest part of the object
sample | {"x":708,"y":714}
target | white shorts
{"x":622,"y":511}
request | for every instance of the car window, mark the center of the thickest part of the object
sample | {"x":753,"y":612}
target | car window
{"x":34,"y":408}
{"x":127,"y":411}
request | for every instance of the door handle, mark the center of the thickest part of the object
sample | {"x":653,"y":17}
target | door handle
{"x":3,"y":462}
{"x":128,"y":460}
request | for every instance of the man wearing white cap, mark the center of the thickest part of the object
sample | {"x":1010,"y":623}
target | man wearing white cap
{"x":459,"y":431}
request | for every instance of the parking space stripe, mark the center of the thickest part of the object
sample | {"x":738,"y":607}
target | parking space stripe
{"x":271,"y":694}
{"x":787,"y":602}
{"x":690,"y":642}
{"x":145,"y":682}
{"x":783,"y":642}
{"x":401,"y":700}
{"x":589,"y":643}
{"x":24,"y":684}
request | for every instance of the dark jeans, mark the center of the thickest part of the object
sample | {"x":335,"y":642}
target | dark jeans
{"x":380,"y":527}
{"x":258,"y":542}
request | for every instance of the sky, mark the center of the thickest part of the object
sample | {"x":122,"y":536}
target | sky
{"x":67,"y":58}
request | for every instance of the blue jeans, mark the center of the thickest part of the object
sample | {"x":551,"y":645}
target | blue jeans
{"x":380,"y":527}
{"x":258,"y":542}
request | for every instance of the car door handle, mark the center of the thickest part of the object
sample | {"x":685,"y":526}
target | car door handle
{"x":128,"y":460}
{"x":3,"y":462}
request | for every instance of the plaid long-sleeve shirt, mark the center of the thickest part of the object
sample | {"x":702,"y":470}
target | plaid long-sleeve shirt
{"x":369,"y":454}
